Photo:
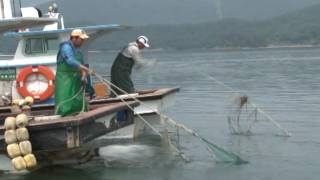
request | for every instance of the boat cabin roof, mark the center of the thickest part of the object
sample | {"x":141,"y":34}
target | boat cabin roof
{"x":23,"y":22}
{"x":98,"y":29}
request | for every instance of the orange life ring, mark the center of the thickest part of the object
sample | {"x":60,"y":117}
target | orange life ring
{"x":27,"y":71}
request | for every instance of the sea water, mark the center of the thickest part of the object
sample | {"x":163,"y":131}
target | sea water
{"x":284,"y":83}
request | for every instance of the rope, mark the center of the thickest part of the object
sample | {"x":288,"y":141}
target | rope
{"x":213,"y":147}
{"x":122,"y":99}
{"x":275,"y":123}
{"x":67,"y":100}
{"x":145,"y":121}
{"x":83,"y":98}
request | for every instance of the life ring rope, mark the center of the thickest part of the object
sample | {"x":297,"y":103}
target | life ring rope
{"x":26,"y":72}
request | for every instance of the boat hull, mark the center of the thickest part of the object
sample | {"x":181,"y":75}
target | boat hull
{"x":63,"y":133}
{"x":77,"y":139}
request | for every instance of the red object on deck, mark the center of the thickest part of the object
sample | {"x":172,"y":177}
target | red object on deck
{"x":27,"y":71}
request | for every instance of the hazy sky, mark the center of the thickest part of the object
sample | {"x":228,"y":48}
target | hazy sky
{"x":252,"y":9}
{"x":173,"y":11}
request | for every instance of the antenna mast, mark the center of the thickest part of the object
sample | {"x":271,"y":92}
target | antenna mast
{"x":218,"y":7}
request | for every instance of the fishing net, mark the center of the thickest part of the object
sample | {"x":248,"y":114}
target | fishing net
{"x":170,"y":134}
{"x":183,"y":139}
{"x":243,"y":115}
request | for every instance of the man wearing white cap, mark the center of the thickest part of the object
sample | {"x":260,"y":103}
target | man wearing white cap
{"x":121,"y":71}
{"x":122,"y":66}
{"x":69,"y":87}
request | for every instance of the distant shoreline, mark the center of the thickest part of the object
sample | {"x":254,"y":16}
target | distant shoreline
{"x":271,"y":47}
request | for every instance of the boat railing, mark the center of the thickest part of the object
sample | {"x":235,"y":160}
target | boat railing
{"x":6,"y":56}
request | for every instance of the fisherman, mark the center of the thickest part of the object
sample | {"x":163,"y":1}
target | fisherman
{"x":122,"y":66}
{"x":71,"y":76}
{"x":121,"y":70}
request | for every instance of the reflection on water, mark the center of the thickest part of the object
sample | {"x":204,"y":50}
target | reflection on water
{"x":284,"y":83}
{"x":133,"y":156}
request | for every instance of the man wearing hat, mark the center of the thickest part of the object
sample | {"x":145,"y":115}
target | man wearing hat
{"x":121,"y":73}
{"x":122,"y":66}
{"x":70,"y":76}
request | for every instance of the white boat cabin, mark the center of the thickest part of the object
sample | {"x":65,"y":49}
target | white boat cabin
{"x":31,"y":72}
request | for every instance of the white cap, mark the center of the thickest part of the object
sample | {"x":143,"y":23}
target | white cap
{"x":144,"y":40}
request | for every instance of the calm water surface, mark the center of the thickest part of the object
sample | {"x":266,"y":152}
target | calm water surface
{"x":284,"y":83}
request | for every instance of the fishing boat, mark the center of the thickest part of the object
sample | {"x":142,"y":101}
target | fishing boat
{"x":51,"y":135}
{"x":31,"y":73}
{"x":76,"y":139}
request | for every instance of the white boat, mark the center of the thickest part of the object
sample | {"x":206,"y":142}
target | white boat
{"x":31,"y":72}
{"x":32,"y":69}
{"x":30,"y":19}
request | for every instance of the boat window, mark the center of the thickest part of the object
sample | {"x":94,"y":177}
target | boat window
{"x":34,"y":46}
{"x":52,"y":45}
{"x":42,"y":46}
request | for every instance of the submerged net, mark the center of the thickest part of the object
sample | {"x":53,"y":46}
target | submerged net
{"x":243,"y":115}
{"x":179,"y":133}
{"x":219,"y":152}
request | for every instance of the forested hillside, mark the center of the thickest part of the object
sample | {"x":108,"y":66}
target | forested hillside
{"x":297,"y":28}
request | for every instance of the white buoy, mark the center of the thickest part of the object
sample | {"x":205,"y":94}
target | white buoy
{"x":29,"y":100}
{"x":16,"y":102}
{"x":22,"y":102}
{"x":10,"y":136}
{"x":19,"y":163}
{"x":30,"y":160}
{"x":10,"y":123}
{"x":22,"y":134}
{"x":14,"y":136}
{"x":25,"y":147}
{"x":13,"y":150}
{"x":22,"y":120}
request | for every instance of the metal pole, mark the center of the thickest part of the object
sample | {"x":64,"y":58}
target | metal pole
{"x":2,"y":9}
{"x":14,"y":7}
{"x":20,"y":8}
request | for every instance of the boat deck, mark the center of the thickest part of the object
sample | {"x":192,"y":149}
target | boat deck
{"x":144,"y":95}
{"x":79,"y":119}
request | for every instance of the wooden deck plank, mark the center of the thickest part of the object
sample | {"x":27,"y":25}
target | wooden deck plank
{"x":79,"y":119}
{"x":155,"y":94}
